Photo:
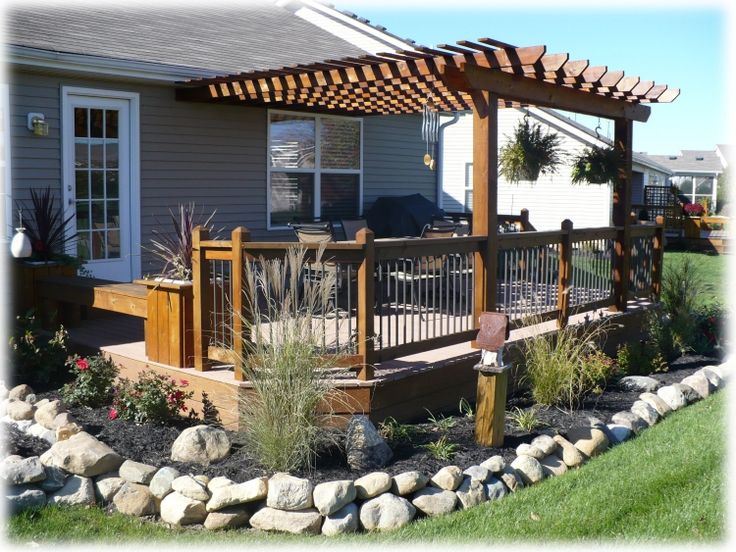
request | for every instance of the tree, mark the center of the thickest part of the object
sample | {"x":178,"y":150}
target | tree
{"x":722,"y":190}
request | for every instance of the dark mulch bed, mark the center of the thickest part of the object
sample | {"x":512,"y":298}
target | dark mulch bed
{"x":151,"y":444}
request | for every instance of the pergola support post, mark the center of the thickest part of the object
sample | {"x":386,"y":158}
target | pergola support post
{"x":623,"y":140}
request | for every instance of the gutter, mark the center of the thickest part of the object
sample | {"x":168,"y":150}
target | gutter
{"x":440,"y":164}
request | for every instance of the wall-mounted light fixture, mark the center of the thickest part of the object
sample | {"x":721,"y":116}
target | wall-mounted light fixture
{"x":20,"y":245}
{"x":37,"y":124}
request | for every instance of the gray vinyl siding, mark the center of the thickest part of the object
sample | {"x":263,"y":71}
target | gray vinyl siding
{"x":214,"y":155}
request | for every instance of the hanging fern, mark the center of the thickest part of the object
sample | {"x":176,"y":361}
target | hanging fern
{"x":530,"y":153}
{"x":596,"y":166}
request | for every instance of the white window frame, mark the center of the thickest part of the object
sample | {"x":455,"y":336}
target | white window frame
{"x":7,"y":185}
{"x":317,"y":171}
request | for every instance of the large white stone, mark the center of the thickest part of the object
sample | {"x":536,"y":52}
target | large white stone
{"x":201,"y":444}
{"x":20,"y":392}
{"x":77,"y":490}
{"x":448,"y":478}
{"x":373,"y":484}
{"x":495,"y":489}
{"x":511,"y":478}
{"x":386,"y":513}
{"x":17,"y":470}
{"x":567,"y":452}
{"x":365,"y":447}
{"x":219,"y":481}
{"x":475,"y":472}
{"x":178,"y":509}
{"x":529,"y":468}
{"x":47,"y":413}
{"x":700,"y":384}
{"x":239,"y":493}
{"x":191,"y":488}
{"x":134,"y":499}
{"x":545,"y":443}
{"x":434,"y":501}
{"x":19,"y":410}
{"x":630,"y":420}
{"x":22,"y":497}
{"x":137,"y":472}
{"x":672,"y":396}
{"x":329,"y":497}
{"x":37,"y":430}
{"x":591,"y":441}
{"x":55,"y":478}
{"x":107,"y":486}
{"x":619,"y":433}
{"x":495,"y":464}
{"x":688,"y":392}
{"x":646,"y":412}
{"x":408,"y":482}
{"x":525,"y":449}
{"x":231,"y":517}
{"x":713,"y":377}
{"x":286,"y":492}
{"x":656,"y":402}
{"x":345,"y":520}
{"x":471,"y":492}
{"x":642,"y":384}
{"x":552,"y":465}
{"x":302,"y":522}
{"x":162,"y":480}
{"x":82,"y":454}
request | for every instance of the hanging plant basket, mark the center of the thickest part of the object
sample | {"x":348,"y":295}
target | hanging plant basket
{"x":596,"y":166}
{"x":530,"y":153}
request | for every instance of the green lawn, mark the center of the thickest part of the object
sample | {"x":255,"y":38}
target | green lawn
{"x":713,"y":269}
{"x":668,"y":484}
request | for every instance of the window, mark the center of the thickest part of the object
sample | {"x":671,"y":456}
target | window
{"x":468,"y":188}
{"x":314,"y":168}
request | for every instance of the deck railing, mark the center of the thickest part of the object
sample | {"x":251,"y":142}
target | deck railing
{"x":396,"y":297}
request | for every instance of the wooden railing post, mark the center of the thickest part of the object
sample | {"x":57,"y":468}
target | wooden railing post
{"x":564,"y":274}
{"x":240,"y":316}
{"x":366,"y":300}
{"x":658,"y":260}
{"x":201,"y":298}
{"x":621,"y":208}
{"x":524,"y":215}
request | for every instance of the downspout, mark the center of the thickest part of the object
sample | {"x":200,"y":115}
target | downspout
{"x":440,"y":161}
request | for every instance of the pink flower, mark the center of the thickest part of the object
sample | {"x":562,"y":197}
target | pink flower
{"x":82,"y":364}
{"x":183,"y":382}
{"x":113,"y":414}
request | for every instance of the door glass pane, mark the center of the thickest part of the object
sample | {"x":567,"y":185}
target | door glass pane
{"x":98,"y":245}
{"x":292,"y":141}
{"x":113,"y":244}
{"x":98,"y":184}
{"x":704,"y":185}
{"x":292,"y":198}
{"x":83,"y":246}
{"x":111,"y":124}
{"x":339,"y":195}
{"x":80,"y":122}
{"x":81,"y":154}
{"x":82,"y":215}
{"x":339,"y":144}
{"x":113,"y":214}
{"x":98,"y":215}
{"x":111,"y":178}
{"x":82,"y":184}
{"x":111,"y":155}
{"x":685,"y":184}
{"x":96,"y":154}
{"x":95,"y":123}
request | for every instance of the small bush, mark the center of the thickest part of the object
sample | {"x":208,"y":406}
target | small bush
{"x":441,"y":449}
{"x":210,"y":414}
{"x":151,"y":397}
{"x":710,"y":323}
{"x":36,"y":360}
{"x":465,"y":408}
{"x":526,"y":420}
{"x":393,"y":431}
{"x":93,"y":381}
{"x":640,"y":358}
{"x":441,"y":423}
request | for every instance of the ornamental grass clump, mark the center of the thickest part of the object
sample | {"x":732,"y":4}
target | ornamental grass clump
{"x":529,"y":153}
{"x":292,"y":374}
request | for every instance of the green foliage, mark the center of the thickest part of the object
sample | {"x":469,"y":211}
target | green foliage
{"x":93,"y":381}
{"x":526,"y":420}
{"x":441,"y":423}
{"x":465,"y":408}
{"x":529,"y":153}
{"x":640,"y":358}
{"x":396,"y":432}
{"x":292,"y":377}
{"x":47,"y":229}
{"x":441,"y":449}
{"x":723,"y":190}
{"x":564,"y":367}
{"x":151,"y":398}
{"x":37,"y":360}
{"x":210,"y":414}
{"x":596,"y":166}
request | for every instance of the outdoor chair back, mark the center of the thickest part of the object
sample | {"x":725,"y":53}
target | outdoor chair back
{"x":439,"y":228}
{"x":313,"y":232}
{"x":351,"y":227}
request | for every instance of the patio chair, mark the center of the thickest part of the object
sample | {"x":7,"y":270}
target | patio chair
{"x":313,"y":232}
{"x":351,"y":226}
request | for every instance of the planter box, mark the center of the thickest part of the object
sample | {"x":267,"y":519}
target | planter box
{"x":169,"y":335}
{"x":25,"y":282}
{"x":693,"y":226}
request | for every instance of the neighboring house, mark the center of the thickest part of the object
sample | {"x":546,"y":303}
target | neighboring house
{"x":121,"y":150}
{"x":553,"y":197}
{"x":695,"y":173}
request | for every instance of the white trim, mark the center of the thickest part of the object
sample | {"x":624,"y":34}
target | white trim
{"x":7,"y":183}
{"x":316,"y":170}
{"x":102,"y":66}
{"x":133,"y":99}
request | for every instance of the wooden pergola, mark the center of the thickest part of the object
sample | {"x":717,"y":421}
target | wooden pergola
{"x":481,"y":76}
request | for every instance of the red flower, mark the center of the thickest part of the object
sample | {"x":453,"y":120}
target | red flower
{"x":82,"y":364}
{"x":183,"y":408}
{"x":183,"y":382}
{"x":113,"y":414}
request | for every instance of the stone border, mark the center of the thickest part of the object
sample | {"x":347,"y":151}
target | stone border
{"x":79,"y":469}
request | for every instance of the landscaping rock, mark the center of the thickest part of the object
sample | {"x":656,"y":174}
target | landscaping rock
{"x":567,"y":452}
{"x":20,"y":392}
{"x":619,"y":433}
{"x":231,"y":517}
{"x":31,"y":398}
{"x":62,"y":419}
{"x":55,"y":478}
{"x":408,"y":482}
{"x":107,"y":486}
{"x":713,"y":377}
{"x":386,"y":513}
{"x":495,"y":489}
{"x":433,"y":501}
{"x":136,"y":472}
{"x":591,"y":441}
{"x":449,"y":478}
{"x":688,"y":392}
{"x":529,"y":469}
{"x":673,"y":396}
{"x":134,"y":499}
{"x":723,"y":371}
{"x":37,"y":430}
{"x":82,"y":454}
{"x":345,"y":520}
{"x":511,"y":479}
{"x":700,"y":384}
{"x":65,"y":431}
{"x":656,"y":402}
{"x":77,"y":490}
{"x":642,"y":384}
{"x":471,"y":492}
{"x":201,"y":444}
{"x":22,"y":497}
{"x":189,"y":487}
{"x":552,"y":465}
{"x":526,"y":449}
{"x":287,"y":492}
{"x":545,"y":443}
{"x":203,"y":479}
{"x":162,"y":480}
{"x":477,"y":472}
{"x":17,"y":470}
{"x":302,"y":522}
{"x":19,"y":410}
{"x":178,"y":509}
{"x":240,"y":493}
{"x":364,"y":446}
{"x":47,"y":413}
{"x":645,"y":412}
{"x":630,"y":420}
{"x":331,"y":496}
{"x":219,"y":481}
{"x":373,"y":484}
{"x":495,"y":464}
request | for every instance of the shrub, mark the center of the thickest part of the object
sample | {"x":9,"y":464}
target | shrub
{"x":526,"y":420}
{"x":151,"y":397}
{"x":441,"y":423}
{"x":441,"y":449}
{"x":36,"y":360}
{"x":290,"y":371}
{"x":210,"y":414}
{"x":529,"y":153}
{"x":93,"y":381}
{"x":710,"y":322}
{"x":564,"y":367}
{"x":396,"y":432}
{"x":640,"y":358}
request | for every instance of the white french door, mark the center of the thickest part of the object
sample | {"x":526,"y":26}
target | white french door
{"x":100,"y":135}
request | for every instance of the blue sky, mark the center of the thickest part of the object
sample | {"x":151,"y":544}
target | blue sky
{"x":683,"y":47}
